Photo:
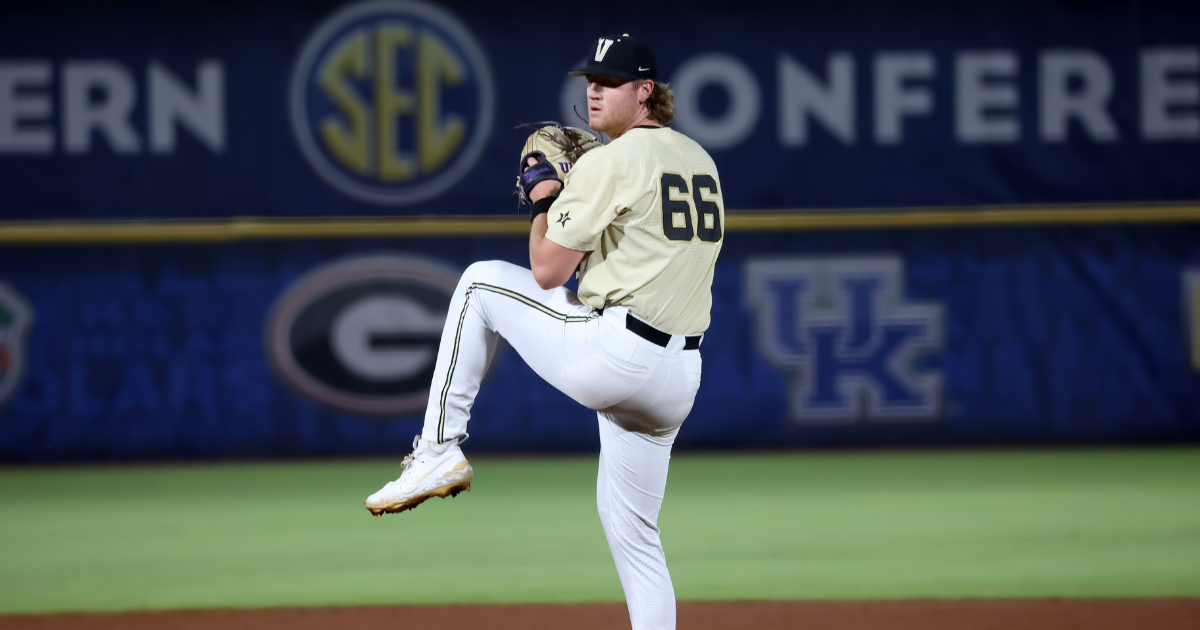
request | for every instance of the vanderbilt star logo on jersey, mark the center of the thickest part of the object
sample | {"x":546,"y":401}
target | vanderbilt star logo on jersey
{"x":563,"y":218}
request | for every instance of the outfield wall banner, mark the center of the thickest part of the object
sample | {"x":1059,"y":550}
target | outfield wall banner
{"x":874,"y":338}
{"x":385,"y":107}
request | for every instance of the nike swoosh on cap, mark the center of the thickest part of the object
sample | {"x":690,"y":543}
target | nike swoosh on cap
{"x":641,"y":69}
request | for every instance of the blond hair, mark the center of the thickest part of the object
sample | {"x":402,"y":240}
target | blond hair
{"x":661,"y":104}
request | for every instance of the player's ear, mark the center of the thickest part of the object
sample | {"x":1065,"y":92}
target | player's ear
{"x":649,"y":89}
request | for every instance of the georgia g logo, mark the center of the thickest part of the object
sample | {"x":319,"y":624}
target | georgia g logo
{"x":361,"y":335}
{"x":391,"y":101}
{"x":15,"y":318}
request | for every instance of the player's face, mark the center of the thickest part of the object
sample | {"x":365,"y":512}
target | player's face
{"x":613,"y":104}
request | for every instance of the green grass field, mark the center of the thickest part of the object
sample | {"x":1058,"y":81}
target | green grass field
{"x":777,"y":526}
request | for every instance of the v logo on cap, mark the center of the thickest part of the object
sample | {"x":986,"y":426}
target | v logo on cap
{"x":620,"y":56}
{"x":602,"y":48}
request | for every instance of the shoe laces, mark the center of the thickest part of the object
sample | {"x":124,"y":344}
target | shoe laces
{"x":412,"y":457}
{"x":408,"y":459}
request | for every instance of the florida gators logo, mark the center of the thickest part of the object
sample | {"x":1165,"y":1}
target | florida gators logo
{"x":15,"y":318}
{"x":391,"y":101}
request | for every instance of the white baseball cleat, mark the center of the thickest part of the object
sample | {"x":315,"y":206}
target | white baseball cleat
{"x":431,"y":470}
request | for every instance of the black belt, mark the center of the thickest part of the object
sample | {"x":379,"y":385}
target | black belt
{"x":656,"y":336}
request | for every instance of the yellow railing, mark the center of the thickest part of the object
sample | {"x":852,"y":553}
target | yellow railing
{"x":254,"y":228}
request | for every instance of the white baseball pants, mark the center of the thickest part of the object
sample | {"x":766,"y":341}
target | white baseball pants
{"x":641,"y":392}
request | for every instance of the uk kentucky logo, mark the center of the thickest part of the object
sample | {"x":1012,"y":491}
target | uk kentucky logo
{"x":15,"y":317}
{"x":852,"y":347}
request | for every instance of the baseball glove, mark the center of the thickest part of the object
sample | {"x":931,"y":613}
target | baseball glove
{"x":556,"y":148}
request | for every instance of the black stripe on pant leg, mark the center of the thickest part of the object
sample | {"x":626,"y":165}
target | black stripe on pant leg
{"x":528,"y":301}
{"x":453,"y":361}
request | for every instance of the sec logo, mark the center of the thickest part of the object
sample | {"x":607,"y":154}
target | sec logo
{"x":361,"y":335}
{"x":391,"y":101}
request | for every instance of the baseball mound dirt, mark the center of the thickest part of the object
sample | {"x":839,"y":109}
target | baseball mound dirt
{"x":1039,"y":614}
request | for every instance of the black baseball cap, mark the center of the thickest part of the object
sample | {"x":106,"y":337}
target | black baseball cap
{"x":622,"y":56}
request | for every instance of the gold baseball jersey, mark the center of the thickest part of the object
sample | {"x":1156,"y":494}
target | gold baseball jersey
{"x":647,"y":208}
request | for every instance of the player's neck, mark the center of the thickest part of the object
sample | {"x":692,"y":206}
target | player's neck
{"x":641,"y":120}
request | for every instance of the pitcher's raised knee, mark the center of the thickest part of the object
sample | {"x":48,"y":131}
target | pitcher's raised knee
{"x":485,"y":271}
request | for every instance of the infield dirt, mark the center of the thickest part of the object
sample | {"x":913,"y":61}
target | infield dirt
{"x":1027,"y":614}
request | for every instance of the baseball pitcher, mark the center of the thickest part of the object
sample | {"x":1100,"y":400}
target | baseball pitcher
{"x":639,"y":220}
